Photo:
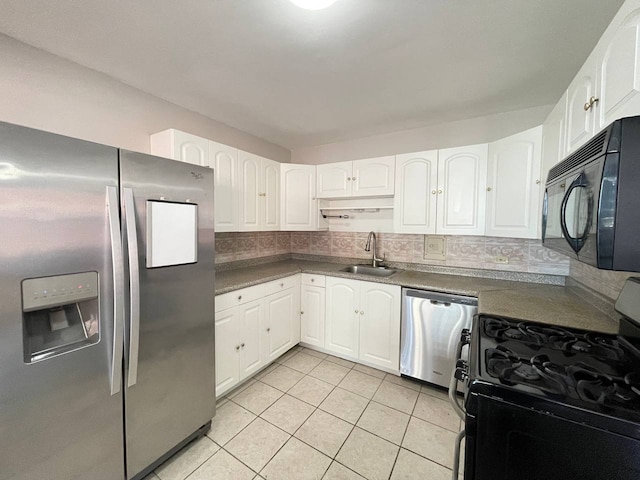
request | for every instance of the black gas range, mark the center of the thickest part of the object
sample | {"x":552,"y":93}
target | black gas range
{"x":545,"y":402}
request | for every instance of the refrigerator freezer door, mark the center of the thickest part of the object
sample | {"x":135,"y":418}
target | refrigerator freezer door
{"x":58,"y":418}
{"x":174,"y":390}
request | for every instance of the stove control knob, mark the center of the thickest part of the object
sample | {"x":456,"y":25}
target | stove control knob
{"x":461,"y":374}
{"x":462,"y":364}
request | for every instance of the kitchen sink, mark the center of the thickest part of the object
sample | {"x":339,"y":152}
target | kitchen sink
{"x":369,"y":270}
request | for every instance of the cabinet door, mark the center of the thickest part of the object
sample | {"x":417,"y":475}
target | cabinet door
{"x":553,"y":137}
{"x":580,"y":123}
{"x":380,"y":325}
{"x":251,"y":346}
{"x":270,"y":195}
{"x":191,"y":149}
{"x":342,"y":316}
{"x":281,"y":313}
{"x":224,"y":160}
{"x":513,"y":185}
{"x":249,"y":167}
{"x":416,"y":188}
{"x":227,"y":350}
{"x":373,"y":176}
{"x":462,"y":183}
{"x":298,"y":205}
{"x":619,"y":77}
{"x":334,"y":180}
{"x":312,"y":318}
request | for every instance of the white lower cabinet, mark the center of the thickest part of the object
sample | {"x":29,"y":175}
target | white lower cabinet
{"x":253,"y":329}
{"x":363,"y":321}
{"x":312,"y":308}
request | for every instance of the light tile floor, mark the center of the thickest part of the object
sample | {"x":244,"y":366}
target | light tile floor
{"x":315,"y":416}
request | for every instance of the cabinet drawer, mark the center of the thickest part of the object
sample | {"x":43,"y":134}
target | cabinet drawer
{"x":281,"y":284}
{"x":238,"y":297}
{"x":313,"y":280}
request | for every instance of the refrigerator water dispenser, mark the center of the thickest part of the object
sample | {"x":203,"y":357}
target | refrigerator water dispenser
{"x":59,"y":314}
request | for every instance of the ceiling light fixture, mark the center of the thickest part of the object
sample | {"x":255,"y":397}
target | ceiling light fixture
{"x":313,"y":4}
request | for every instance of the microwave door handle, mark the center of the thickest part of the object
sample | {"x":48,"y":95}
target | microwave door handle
{"x":134,"y":286}
{"x":563,"y":213}
{"x":113,"y":210}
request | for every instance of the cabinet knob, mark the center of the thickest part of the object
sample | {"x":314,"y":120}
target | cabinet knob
{"x":537,"y":182}
{"x":282,"y":284}
{"x":361,"y":312}
{"x":354,"y":179}
{"x":433,"y":192}
{"x":242,"y":345}
{"x":313,"y":280}
{"x":439,"y":191}
{"x":589,"y":105}
{"x":269,"y":329}
{"x":348,"y":179}
{"x":488,"y":189}
{"x":237,"y":347}
{"x":356,"y":310}
{"x":239,"y":297}
{"x":301,"y":312}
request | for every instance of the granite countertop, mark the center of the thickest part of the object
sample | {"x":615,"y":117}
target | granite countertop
{"x":557,"y":305}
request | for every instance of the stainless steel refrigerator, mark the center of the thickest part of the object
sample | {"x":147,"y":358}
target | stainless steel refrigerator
{"x":106,"y":307}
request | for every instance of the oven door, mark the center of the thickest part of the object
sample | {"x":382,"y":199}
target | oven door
{"x":507,"y":441}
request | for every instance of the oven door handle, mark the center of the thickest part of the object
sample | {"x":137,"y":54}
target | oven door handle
{"x":456,"y":454}
{"x":453,"y":384}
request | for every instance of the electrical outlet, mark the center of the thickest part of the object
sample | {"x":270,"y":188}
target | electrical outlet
{"x":434,"y":247}
{"x":501,"y":259}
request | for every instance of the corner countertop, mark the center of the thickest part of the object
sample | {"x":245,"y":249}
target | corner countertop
{"x":556,"y":305}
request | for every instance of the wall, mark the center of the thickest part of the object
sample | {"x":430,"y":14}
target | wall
{"x":41,"y":90}
{"x":453,"y":134}
{"x":605,"y":282}
{"x":470,"y":252}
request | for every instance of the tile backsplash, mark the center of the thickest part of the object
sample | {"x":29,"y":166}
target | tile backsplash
{"x":606,"y":282}
{"x":461,"y":251}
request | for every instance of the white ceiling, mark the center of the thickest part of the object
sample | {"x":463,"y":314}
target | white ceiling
{"x":301,"y":78}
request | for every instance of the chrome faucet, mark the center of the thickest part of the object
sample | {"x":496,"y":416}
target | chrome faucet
{"x":367,"y":248}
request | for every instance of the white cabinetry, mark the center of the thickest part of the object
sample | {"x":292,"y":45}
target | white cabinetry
{"x":581,"y":121}
{"x":363,"y":321}
{"x":224,"y":160}
{"x":619,"y":73}
{"x":181,"y":146}
{"x":259,"y":180}
{"x":553,"y":136}
{"x":312,"y":310}
{"x":298,"y":203}
{"x":416,"y":192}
{"x":360,"y":178}
{"x":462,"y":177}
{"x":513,"y":185}
{"x":254,"y":326}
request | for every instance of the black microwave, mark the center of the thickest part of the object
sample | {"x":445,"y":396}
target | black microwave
{"x":591,"y":208}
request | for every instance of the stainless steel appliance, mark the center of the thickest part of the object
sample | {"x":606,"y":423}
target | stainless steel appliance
{"x":548,"y":402}
{"x":106,"y":307}
{"x":431,"y":326}
{"x":591,"y":205}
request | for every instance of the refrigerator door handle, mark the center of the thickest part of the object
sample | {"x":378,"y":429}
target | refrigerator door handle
{"x":134,"y":286}
{"x":113,"y":209}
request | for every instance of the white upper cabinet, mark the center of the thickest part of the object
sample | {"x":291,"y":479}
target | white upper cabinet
{"x":619,"y":73}
{"x":514,"y":184}
{"x":416,"y":192}
{"x":298,"y":205}
{"x":373,"y":177}
{"x":259,"y":180}
{"x":334,"y":179}
{"x":553,"y":136}
{"x":580,"y":113}
{"x":224,"y":160}
{"x":461,"y":198}
{"x":360,"y":178}
{"x":181,"y":146}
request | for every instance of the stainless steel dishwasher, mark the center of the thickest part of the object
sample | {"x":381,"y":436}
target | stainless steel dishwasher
{"x":431,"y":327}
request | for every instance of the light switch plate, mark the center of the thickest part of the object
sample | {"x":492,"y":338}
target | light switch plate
{"x":434,"y":247}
